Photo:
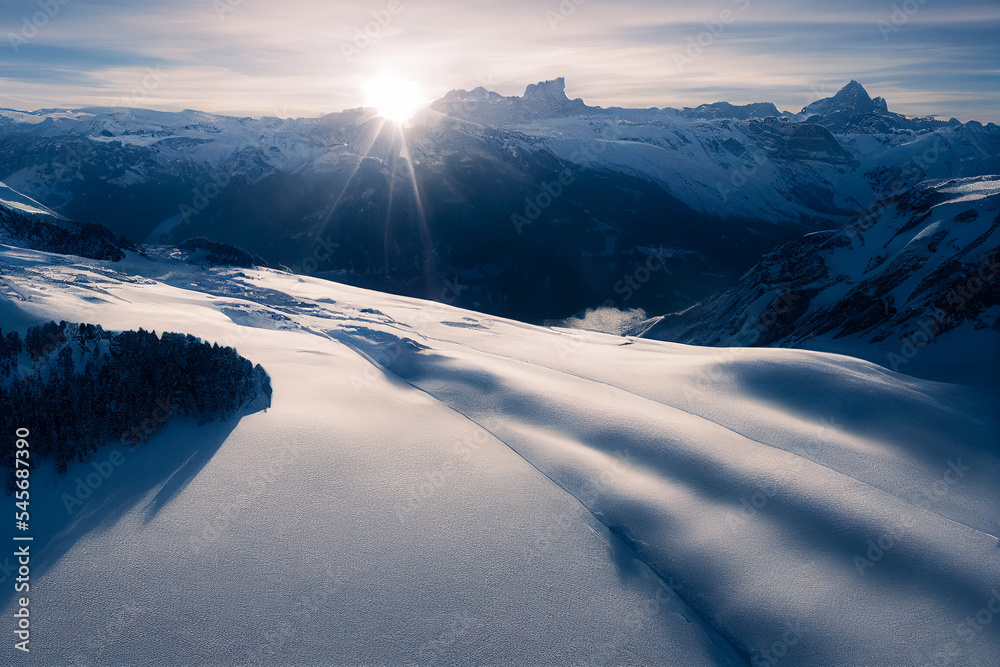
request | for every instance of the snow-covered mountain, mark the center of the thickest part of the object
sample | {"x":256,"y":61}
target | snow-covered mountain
{"x":431,"y":485}
{"x":532,"y":206}
{"x":914,"y":286}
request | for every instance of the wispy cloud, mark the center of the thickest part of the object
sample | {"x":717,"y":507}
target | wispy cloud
{"x":307,"y":57}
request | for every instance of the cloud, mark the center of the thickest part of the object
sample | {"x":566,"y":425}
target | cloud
{"x":313,"y":56}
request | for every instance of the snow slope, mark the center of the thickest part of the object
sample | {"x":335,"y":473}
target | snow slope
{"x":13,"y":200}
{"x":432,"y":485}
{"x":914,"y":285}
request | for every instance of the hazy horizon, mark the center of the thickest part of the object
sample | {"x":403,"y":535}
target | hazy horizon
{"x":304,"y":58}
{"x":819,"y":94}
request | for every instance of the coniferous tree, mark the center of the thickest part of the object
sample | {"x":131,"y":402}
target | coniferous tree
{"x":82,"y":387}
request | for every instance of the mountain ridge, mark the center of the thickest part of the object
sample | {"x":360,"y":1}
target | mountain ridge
{"x":912,"y":286}
{"x":712,"y":187}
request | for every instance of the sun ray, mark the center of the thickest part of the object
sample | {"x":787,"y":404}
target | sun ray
{"x":388,"y":215}
{"x":430,"y":268}
{"x":455,"y":118}
{"x":347,"y":184}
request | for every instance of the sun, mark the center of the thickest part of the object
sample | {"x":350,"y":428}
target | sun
{"x":395,"y":99}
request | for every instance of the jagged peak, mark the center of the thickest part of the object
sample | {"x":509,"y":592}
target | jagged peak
{"x":854,"y":95}
{"x":853,"y":85}
{"x":554,"y":88}
{"x":737,"y":111}
{"x":852,"y":98}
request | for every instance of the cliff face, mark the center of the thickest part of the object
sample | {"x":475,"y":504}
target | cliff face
{"x":914,"y":269}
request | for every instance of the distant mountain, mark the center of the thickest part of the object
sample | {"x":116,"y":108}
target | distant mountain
{"x":921,"y":271}
{"x":532,"y":206}
{"x":718,"y":110}
{"x":546,"y":99}
{"x":853,"y":111}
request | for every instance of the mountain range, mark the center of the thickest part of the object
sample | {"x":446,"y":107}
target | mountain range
{"x":533,"y":207}
{"x":785,"y":454}
{"x":914,"y":286}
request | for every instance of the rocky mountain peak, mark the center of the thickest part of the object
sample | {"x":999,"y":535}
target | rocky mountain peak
{"x":548,"y":90}
{"x":852,"y":99}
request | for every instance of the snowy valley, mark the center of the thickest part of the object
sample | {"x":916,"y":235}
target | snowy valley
{"x":789,"y":455}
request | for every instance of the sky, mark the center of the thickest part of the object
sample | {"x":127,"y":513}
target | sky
{"x":310,"y":57}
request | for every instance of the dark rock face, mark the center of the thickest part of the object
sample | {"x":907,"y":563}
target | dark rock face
{"x":221,"y":254}
{"x":65,"y":237}
{"x":800,"y":141}
{"x":852,"y":100}
{"x":466,"y":205}
{"x":929,"y":261}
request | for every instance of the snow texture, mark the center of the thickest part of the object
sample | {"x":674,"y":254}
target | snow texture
{"x":431,"y":485}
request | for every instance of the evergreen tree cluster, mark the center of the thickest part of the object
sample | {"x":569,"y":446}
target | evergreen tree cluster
{"x":78,"y":387}
{"x":64,"y":237}
{"x":222,"y":254}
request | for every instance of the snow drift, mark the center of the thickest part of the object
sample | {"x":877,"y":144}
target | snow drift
{"x":433,"y":485}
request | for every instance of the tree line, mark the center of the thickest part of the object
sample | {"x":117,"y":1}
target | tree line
{"x":78,"y":387}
